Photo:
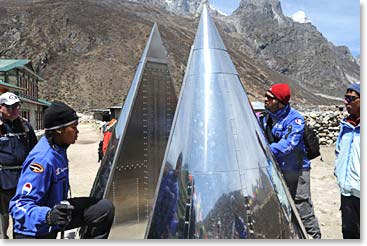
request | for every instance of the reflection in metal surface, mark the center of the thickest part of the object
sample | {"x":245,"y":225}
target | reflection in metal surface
{"x":130,"y":169}
{"x":219,"y":179}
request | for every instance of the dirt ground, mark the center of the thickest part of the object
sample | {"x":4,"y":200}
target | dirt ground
{"x":325,"y":192}
{"x":83,"y":159}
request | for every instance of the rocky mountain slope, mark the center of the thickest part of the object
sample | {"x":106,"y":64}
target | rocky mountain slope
{"x":294,"y":49}
{"x":87,"y":50}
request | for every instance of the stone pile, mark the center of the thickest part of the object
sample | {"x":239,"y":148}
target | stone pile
{"x":326,"y":124}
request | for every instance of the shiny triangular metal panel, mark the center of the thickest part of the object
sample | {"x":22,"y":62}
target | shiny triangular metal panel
{"x":130,"y":169}
{"x":219,"y":179}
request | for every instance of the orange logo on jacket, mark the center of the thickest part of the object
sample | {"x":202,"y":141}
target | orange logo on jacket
{"x":37,"y":168}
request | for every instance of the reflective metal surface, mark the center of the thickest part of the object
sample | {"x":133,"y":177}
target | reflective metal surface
{"x":219,"y":179}
{"x":130,"y":169}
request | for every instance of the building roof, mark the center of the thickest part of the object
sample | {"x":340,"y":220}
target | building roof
{"x":10,"y":86}
{"x":47,"y":103}
{"x":100,"y":110}
{"x":9,"y":64}
{"x":115,"y":107}
{"x":37,"y":102}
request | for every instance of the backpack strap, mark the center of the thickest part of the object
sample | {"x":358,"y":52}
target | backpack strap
{"x":10,"y":167}
{"x":10,"y":134}
{"x":26,"y":129}
{"x":265,"y":117}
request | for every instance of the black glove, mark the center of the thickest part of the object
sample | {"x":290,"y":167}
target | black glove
{"x":60,"y":214}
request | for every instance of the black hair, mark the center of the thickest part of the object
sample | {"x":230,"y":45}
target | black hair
{"x":50,"y":135}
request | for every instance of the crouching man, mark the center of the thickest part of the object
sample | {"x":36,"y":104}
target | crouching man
{"x":41,"y":206}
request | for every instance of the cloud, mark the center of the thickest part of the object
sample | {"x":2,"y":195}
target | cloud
{"x":300,"y":17}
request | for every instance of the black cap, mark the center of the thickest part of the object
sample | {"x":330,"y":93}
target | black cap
{"x":58,"y":115}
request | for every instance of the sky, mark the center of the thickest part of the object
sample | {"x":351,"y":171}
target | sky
{"x":337,"y":20}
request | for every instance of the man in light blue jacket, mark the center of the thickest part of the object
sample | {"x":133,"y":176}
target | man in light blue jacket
{"x":347,"y":164}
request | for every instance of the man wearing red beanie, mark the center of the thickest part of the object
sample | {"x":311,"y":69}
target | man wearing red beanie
{"x":283,"y":127}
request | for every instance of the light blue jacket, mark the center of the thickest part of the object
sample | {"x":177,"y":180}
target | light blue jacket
{"x":347,"y":163}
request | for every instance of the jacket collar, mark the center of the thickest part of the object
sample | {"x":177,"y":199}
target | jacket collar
{"x":281,"y":113}
{"x":353,"y":120}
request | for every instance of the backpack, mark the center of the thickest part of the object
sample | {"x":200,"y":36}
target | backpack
{"x":311,"y":142}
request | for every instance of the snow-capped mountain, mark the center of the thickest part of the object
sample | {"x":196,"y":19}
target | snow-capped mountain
{"x":180,"y":7}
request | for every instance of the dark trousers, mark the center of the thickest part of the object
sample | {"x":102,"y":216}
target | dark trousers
{"x":305,"y":206}
{"x":349,"y":207}
{"x":5,"y":197}
{"x":299,"y":185}
{"x":95,"y":214}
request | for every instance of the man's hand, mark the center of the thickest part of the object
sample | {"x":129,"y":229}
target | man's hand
{"x":60,"y":214}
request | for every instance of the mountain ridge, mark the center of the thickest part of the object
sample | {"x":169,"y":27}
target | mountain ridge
{"x":87,"y":50}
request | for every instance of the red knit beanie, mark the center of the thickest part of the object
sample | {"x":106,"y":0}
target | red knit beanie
{"x":282,"y":92}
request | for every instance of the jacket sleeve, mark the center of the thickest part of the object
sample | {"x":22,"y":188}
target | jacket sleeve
{"x":26,"y":205}
{"x":337,"y":149}
{"x":290,"y":139}
{"x":337,"y":144}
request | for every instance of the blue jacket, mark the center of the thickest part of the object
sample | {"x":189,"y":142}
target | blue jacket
{"x":288,"y":148}
{"x":347,"y":163}
{"x":17,"y":138}
{"x":44,"y":182}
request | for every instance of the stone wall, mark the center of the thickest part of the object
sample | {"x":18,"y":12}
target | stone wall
{"x":326,"y":124}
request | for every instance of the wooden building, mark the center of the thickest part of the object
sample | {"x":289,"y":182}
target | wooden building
{"x":18,"y":76}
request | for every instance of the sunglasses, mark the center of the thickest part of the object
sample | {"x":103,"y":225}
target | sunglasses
{"x":12,"y":107}
{"x":349,"y":98}
{"x":269,"y":97}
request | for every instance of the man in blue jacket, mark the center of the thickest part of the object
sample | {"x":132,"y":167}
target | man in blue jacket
{"x":41,"y":206}
{"x":283,"y":127}
{"x":17,"y":138}
{"x":347,"y":164}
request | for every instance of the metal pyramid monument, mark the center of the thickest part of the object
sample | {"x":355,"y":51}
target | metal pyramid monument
{"x":218,"y":178}
{"x":130,"y":168}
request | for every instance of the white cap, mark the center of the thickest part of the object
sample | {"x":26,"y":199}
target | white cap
{"x":9,"y":98}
